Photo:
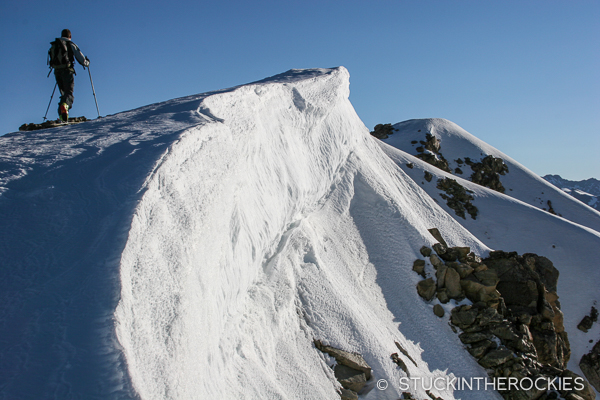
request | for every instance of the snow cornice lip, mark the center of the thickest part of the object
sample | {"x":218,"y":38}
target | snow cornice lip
{"x":295,"y":75}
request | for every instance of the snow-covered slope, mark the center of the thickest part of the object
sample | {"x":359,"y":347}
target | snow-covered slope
{"x":519,"y":182}
{"x":300,"y":229}
{"x":196,"y":248}
{"x":232,"y":229}
{"x":509,"y":224}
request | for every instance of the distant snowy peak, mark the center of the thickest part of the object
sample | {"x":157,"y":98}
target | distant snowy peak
{"x":591,"y":186}
{"x":452,"y":149}
{"x":586,"y":191}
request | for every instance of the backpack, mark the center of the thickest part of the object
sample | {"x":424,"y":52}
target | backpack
{"x":60,"y":55}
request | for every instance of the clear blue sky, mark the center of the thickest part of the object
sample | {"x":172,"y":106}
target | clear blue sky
{"x":522,"y":75}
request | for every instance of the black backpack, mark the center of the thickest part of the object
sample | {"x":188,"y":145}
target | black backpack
{"x":60,"y":54}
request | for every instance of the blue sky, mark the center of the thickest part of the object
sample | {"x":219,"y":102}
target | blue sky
{"x":522,"y":75}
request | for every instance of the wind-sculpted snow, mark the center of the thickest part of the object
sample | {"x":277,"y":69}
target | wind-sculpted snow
{"x":68,"y":196}
{"x":278,"y":222}
{"x":194,"y":249}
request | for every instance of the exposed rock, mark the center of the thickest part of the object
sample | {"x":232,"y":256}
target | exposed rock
{"x":426,"y":288}
{"x":383,"y":131}
{"x":428,"y":176}
{"x":478,"y":349}
{"x":504,"y":332}
{"x":487,"y":172}
{"x":352,"y":360}
{"x":590,"y":366}
{"x":347,"y":394}
{"x":452,"y":284}
{"x":457,"y":197}
{"x":463,"y":253}
{"x":474,"y":337}
{"x":440,"y":275}
{"x":525,"y":284}
{"x":425,"y":251}
{"x":430,"y":153}
{"x":587,"y":393}
{"x":515,"y":326}
{"x":490,"y":317}
{"x":435,"y":261}
{"x":432,"y":143}
{"x":451,"y":254}
{"x":403,"y":351}
{"x":550,"y":208}
{"x":419,"y":267}
{"x":463,"y":270}
{"x":487,"y":277}
{"x":512,"y":267}
{"x":585,"y":324}
{"x":438,"y":310}
{"x":440,"y":249}
{"x":496,"y":357}
{"x":472,"y":289}
{"x":546,"y":271}
{"x":588,"y":321}
{"x":443,"y":296}
{"x":463,"y":316}
{"x":432,"y":396}
{"x":350,"y":378}
{"x":438,"y":236}
{"x":516,"y":293}
{"x":396,"y":359}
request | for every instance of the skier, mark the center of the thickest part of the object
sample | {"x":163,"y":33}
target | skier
{"x":61,"y":57}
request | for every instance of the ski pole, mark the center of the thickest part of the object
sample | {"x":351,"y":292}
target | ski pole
{"x":50,"y":101}
{"x":93,"y":91}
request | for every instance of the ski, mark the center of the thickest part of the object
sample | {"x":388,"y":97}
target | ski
{"x":51,"y":124}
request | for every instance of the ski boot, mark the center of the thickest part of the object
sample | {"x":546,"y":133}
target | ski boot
{"x":63,"y":111}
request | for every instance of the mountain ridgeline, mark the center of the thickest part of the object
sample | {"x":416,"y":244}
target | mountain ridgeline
{"x":586,"y":191}
{"x":257,"y":242}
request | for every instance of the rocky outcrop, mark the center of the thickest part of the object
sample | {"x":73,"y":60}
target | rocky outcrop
{"x":588,"y":321}
{"x":430,"y":152}
{"x":383,"y":131}
{"x":514,"y":326}
{"x":435,"y":232}
{"x":590,"y":366}
{"x":487,"y":172}
{"x":426,"y":288}
{"x":347,"y":394}
{"x":457,"y":197}
{"x":351,"y":370}
{"x":528,"y":287}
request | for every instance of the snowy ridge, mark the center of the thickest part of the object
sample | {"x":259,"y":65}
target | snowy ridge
{"x":67,"y":203}
{"x":507,"y":222}
{"x":277,"y":249}
{"x":195,"y":248}
{"x":520,"y":182}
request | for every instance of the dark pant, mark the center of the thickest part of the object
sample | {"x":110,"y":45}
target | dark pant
{"x":66,"y":85}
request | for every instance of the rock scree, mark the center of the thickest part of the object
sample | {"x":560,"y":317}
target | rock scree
{"x":514,"y":325}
